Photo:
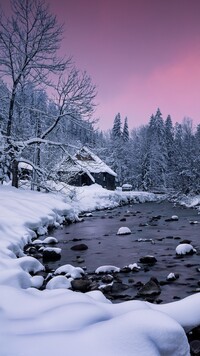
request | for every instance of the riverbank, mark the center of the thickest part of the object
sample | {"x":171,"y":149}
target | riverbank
{"x":34,"y":321}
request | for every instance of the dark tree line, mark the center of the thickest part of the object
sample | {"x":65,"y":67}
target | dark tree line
{"x":159,"y":155}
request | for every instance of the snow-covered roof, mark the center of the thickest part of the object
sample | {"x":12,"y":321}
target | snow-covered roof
{"x":71,"y":166}
{"x":86,"y":161}
{"x":24,"y":165}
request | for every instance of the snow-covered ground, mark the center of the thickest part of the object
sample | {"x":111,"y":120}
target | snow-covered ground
{"x":59,"y":321}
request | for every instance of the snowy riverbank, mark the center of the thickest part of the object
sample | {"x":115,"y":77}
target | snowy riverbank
{"x":70,"y":323}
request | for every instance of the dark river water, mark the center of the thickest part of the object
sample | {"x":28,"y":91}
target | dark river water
{"x":150,"y":235}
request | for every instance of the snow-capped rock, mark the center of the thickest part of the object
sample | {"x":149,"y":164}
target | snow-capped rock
{"x":107,"y":269}
{"x":124,"y":231}
{"x":42,"y":230}
{"x":174,"y":217}
{"x":37,"y":281}
{"x":172,"y":276}
{"x":50,"y":240}
{"x":184,"y":249}
{"x":70,"y":271}
{"x":51,"y":253}
{"x":58,"y":282}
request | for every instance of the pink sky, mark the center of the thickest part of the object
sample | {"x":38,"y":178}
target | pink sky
{"x":141,"y":54}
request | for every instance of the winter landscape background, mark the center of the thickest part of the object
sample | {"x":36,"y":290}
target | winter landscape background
{"x":47,"y":113}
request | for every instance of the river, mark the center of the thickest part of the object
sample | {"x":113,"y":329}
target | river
{"x":150,"y":234}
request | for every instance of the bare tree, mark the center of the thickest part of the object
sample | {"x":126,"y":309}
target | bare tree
{"x":73,"y":99}
{"x":29,"y":41}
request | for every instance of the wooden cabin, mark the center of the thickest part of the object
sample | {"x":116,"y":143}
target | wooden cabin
{"x":86,"y":168}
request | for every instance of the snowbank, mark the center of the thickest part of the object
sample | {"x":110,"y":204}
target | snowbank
{"x":64,"y":322}
{"x":94,"y":197}
{"x":190,"y":201}
{"x":59,"y":321}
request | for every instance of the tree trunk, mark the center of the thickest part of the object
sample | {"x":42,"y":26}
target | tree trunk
{"x":15,"y":176}
{"x":38,"y":163}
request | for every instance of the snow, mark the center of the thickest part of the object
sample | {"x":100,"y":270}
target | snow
{"x":107,"y":269}
{"x":56,"y":250}
{"x":59,"y":282}
{"x":84,"y":161}
{"x":24,"y":165}
{"x":190,"y":201}
{"x":134,"y":266}
{"x":37,"y":281}
{"x":70,"y":271}
{"x":88,"y":160}
{"x":47,"y":240}
{"x":171,"y":277}
{"x":59,"y":321}
{"x":184,"y":249}
{"x":94,"y":197}
{"x":174,"y":217}
{"x":123,"y":231}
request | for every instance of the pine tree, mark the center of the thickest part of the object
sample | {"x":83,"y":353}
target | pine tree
{"x":169,"y":139}
{"x":116,"y":145}
{"x":125,"y":133}
{"x":156,"y":155}
{"x":116,"y":130}
{"x":197,"y":160}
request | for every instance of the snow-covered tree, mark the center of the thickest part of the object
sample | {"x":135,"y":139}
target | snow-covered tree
{"x":29,"y":41}
{"x":156,"y":155}
{"x":187,"y":174}
{"x":117,"y":126}
{"x":169,"y":139}
{"x":125,"y":133}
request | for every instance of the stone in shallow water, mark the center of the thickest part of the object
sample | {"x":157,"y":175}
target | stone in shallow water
{"x":80,"y":260}
{"x":124,"y":231}
{"x":81,"y":285}
{"x":107,"y":278}
{"x":51,"y":254}
{"x":79,"y":247}
{"x":185,"y":249}
{"x":148,"y":259}
{"x":173,"y":218}
{"x":152,"y":287}
{"x":172,"y":277}
{"x":125,"y":269}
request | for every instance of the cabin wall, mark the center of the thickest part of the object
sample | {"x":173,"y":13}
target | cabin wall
{"x":106,"y":180}
{"x":77,"y":179}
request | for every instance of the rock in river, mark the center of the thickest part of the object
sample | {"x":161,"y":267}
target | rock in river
{"x":79,"y":247}
{"x":151,"y":288}
{"x":148,"y":259}
{"x":124,"y":231}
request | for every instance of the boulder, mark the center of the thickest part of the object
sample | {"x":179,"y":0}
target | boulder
{"x":172,"y":277}
{"x":79,"y":247}
{"x":150,"y":288}
{"x":124,"y":231}
{"x":148,"y":259}
{"x":81,"y":285}
{"x":51,"y":254}
{"x":107,"y":278}
{"x":185,"y":249}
